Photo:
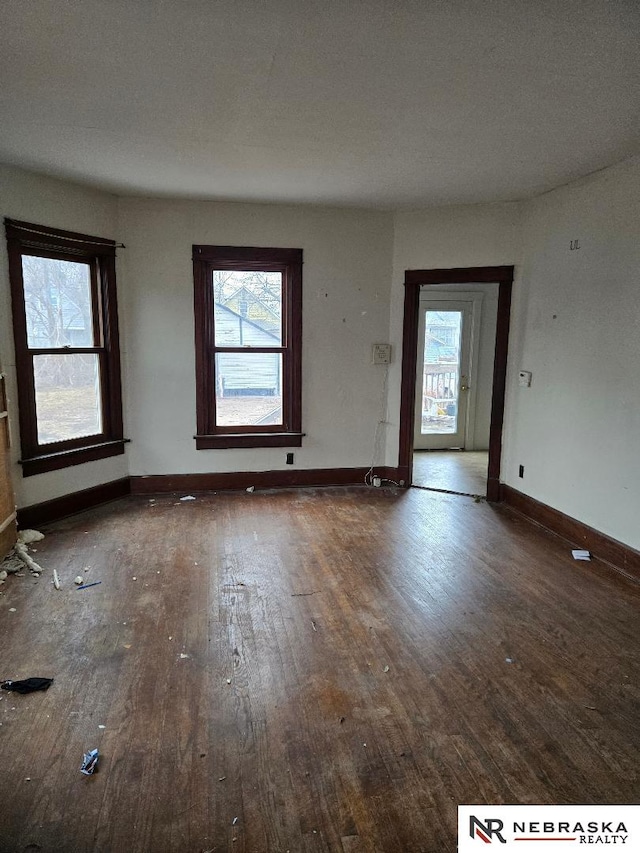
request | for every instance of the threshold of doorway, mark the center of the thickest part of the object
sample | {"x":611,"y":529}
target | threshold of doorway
{"x":449,"y":492}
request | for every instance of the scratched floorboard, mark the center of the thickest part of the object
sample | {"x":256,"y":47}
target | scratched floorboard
{"x":242,"y":678}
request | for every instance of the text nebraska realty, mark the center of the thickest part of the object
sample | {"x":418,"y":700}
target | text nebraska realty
{"x":585,"y":833}
{"x":591,"y":832}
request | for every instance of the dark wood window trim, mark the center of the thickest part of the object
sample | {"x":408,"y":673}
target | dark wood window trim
{"x":25,"y":238}
{"x":206,"y":259}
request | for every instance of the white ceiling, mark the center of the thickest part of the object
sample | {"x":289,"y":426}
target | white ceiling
{"x":386,"y":103}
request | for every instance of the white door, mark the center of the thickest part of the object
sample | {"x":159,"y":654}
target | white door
{"x":443,"y":374}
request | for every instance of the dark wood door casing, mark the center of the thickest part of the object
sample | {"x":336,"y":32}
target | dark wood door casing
{"x":413,"y":281}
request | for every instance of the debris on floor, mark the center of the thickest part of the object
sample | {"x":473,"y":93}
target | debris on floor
{"x":508,"y":660}
{"x":386,"y":669}
{"x":578,"y":554}
{"x":79,"y":580}
{"x":27,"y":685}
{"x":26,"y":537}
{"x":313,"y":625}
{"x":89,"y":762}
{"x":87,"y":585}
{"x":30,"y":563}
{"x":56,"y":579}
{"x":251,"y":489}
{"x":11,"y":563}
{"x":188,"y":498}
{"x":19,"y":557}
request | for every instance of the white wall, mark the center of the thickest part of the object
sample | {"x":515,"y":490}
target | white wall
{"x":444,"y":237}
{"x":58,"y":204}
{"x":577,"y":328}
{"x":346,"y":276}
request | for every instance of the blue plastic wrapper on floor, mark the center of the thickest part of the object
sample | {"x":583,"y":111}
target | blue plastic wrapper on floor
{"x":89,"y":762}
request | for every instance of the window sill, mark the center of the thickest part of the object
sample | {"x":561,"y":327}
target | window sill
{"x":249,"y":439}
{"x":64,"y":458}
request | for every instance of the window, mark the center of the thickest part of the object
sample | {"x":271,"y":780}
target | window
{"x":65,"y":323}
{"x":248,"y":312}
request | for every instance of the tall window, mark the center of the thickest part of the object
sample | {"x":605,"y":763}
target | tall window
{"x":248,"y":312}
{"x":65,"y":321}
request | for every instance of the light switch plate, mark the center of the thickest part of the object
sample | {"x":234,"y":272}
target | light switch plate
{"x":382,"y":353}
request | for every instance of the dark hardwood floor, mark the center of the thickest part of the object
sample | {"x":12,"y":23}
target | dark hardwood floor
{"x":312,"y":670}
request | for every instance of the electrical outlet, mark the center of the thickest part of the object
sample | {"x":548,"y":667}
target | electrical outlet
{"x":289,"y":458}
{"x":521,"y":471}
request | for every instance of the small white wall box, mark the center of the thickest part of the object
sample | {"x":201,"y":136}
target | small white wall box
{"x":382,"y":353}
{"x":524,"y":378}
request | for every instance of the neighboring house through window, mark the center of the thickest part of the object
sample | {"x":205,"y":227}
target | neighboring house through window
{"x":65,"y":321}
{"x":248,"y":312}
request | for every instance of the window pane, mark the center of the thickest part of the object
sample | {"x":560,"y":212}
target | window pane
{"x":247,"y":308}
{"x":248,"y":389}
{"x":441,"y":371}
{"x":57,"y":296}
{"x":67,"y":396}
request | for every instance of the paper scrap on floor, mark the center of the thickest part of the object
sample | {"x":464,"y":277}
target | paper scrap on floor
{"x":581,"y":555}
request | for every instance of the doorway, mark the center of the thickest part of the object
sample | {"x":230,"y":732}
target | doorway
{"x":450,"y":396}
{"x":456,"y":344}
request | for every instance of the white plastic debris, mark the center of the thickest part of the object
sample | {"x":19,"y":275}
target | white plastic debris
{"x":578,"y":554}
{"x":386,"y":669}
{"x":56,"y":579}
{"x":251,"y":489}
{"x":79,"y":580}
{"x":188,"y":498}
{"x":26,"y":537}
{"x":21,"y":551}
